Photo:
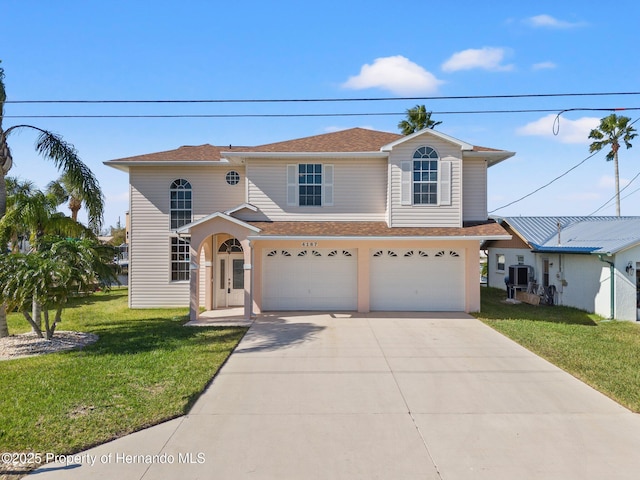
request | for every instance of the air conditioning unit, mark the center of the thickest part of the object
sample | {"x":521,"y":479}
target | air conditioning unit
{"x":521,"y":275}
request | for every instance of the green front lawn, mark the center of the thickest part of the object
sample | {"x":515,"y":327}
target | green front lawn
{"x":145,"y":368}
{"x":604,"y":354}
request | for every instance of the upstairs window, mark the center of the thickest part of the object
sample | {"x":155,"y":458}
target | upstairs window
{"x":181,"y":203}
{"x":425,"y":176}
{"x":309,"y":185}
{"x":425,"y":179}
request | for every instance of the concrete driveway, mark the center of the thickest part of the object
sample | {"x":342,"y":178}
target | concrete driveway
{"x":379,"y":396}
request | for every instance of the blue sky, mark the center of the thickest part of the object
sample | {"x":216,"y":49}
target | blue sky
{"x":160,"y":50}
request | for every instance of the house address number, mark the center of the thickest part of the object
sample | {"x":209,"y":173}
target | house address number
{"x":309,"y":244}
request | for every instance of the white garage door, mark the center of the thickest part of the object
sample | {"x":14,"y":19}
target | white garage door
{"x":309,"y":279}
{"x":417,"y":280}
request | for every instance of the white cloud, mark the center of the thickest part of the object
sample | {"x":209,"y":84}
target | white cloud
{"x":547,"y":21}
{"x":397,"y":74}
{"x":543,"y":66}
{"x":486,"y":58}
{"x":570,"y":131}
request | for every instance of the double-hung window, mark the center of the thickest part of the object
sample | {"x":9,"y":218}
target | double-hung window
{"x":310,"y":185}
{"x":426,"y":179}
{"x":425,"y":176}
{"x":181,"y":208}
{"x":179,"y":259}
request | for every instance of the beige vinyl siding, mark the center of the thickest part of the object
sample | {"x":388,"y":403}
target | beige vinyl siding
{"x":474,"y":190}
{"x":359,"y":191}
{"x":149,"y":251}
{"x":425,"y":215}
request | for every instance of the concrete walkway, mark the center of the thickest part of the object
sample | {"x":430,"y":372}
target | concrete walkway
{"x":436,"y":396}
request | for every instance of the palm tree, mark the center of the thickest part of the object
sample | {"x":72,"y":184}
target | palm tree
{"x":32,"y":213}
{"x":65,"y":158}
{"x":612,"y":129}
{"x":417,"y":119}
{"x":63,"y":190}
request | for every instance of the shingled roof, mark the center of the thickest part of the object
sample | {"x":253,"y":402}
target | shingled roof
{"x":352,"y":140}
{"x":375,"y":229}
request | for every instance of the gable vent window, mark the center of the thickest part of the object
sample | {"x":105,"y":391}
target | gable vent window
{"x":181,"y":205}
{"x":232,"y":177}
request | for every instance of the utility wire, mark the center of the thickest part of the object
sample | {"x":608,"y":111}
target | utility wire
{"x":565,"y":173}
{"x":614,"y":197}
{"x":546,"y":184}
{"x":298,"y":115}
{"x":364,"y":99}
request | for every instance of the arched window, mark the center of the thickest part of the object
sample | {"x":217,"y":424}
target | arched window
{"x":230,"y":246}
{"x":181,"y":204}
{"x":425,"y":176}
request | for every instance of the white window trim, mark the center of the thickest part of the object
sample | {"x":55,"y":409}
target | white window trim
{"x":171,"y":262}
{"x":445,"y":174}
{"x":327,"y":186}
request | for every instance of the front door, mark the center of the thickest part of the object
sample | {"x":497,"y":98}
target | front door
{"x":230,"y":274}
{"x":230,"y":288}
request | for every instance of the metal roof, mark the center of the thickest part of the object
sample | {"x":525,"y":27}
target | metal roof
{"x":605,"y":235}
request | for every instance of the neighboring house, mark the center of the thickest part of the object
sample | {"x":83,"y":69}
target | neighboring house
{"x":352,"y":220}
{"x":579,"y":256}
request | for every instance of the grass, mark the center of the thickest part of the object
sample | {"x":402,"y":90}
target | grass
{"x":604,"y":354}
{"x":145,"y":368}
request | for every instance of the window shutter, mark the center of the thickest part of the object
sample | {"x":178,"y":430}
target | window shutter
{"x":327,"y":185}
{"x":405,"y":180}
{"x":445,"y":183}
{"x":292,"y":185}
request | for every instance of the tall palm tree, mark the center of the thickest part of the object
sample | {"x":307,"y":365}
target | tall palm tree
{"x":63,"y":190}
{"x":54,"y":148}
{"x":417,"y":119}
{"x":611,"y":130}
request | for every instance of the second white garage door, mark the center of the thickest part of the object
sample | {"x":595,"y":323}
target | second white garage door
{"x":417,"y":280}
{"x":309,"y":279}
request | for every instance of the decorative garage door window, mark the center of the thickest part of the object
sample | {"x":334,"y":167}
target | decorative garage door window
{"x":411,"y":253}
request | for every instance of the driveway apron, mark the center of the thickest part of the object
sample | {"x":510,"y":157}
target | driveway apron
{"x":379,"y":396}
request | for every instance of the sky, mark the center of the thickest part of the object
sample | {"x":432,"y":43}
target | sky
{"x":410,"y":53}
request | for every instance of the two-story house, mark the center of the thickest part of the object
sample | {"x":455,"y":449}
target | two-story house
{"x":356,"y":220}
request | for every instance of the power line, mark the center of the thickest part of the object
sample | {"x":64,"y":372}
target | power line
{"x":562,"y":175}
{"x":546,"y":184}
{"x":299,"y":115}
{"x":333,"y":100}
{"x":613,"y":198}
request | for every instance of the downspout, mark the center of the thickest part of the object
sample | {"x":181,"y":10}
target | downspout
{"x":612,"y":275}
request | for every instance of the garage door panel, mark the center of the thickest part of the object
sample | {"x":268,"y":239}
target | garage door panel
{"x":309,"y":279}
{"x":408,"y":280}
